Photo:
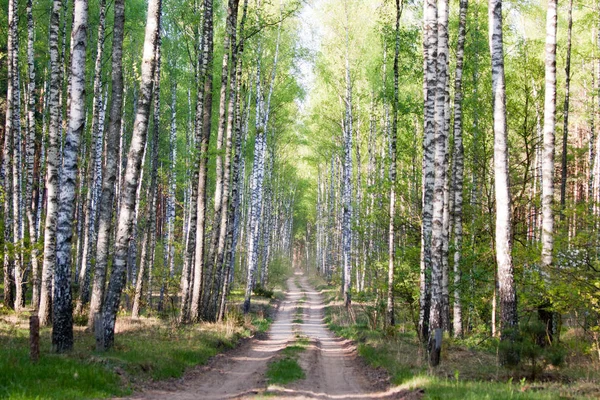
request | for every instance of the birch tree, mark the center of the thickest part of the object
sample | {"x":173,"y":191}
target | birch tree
{"x":506,"y":284}
{"x":203,"y":127}
{"x":105,"y":338}
{"x":31,"y":207}
{"x":95,"y":170}
{"x":565,"y":137}
{"x":391,"y":229}
{"x":429,"y":83}
{"x":111,"y":155}
{"x":437,"y":239}
{"x":458,"y":167}
{"x":62,"y":323}
{"x":52,"y":166}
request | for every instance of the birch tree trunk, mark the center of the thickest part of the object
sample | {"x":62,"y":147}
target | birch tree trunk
{"x":62,"y":324}
{"x":95,"y":170}
{"x":225,"y":127}
{"x":506,"y":285}
{"x":172,"y":184}
{"x":458,"y":167}
{"x":437,"y":239}
{"x":394,"y":133}
{"x":548,"y":144}
{"x":258,"y":171}
{"x":548,"y":160}
{"x":12,"y":291}
{"x":111,"y":155}
{"x":565,"y":138}
{"x":236,"y":171}
{"x":347,"y":184}
{"x":52,"y":167}
{"x":30,"y":198}
{"x":132,"y":173}
{"x":429,"y":83}
{"x":203,"y":125}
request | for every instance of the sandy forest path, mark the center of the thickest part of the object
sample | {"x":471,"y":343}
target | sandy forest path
{"x":330,"y":364}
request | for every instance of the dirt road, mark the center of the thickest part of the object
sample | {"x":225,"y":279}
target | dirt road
{"x":332,"y":368}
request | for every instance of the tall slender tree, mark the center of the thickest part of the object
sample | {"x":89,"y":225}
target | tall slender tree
{"x":437,"y":237}
{"x":203,"y":127}
{"x":394,"y":133}
{"x":565,"y":137}
{"x":429,"y":88}
{"x":62,"y":323}
{"x":506,"y":283}
{"x":458,"y":166}
{"x":52,"y":167}
{"x":111,"y":155}
{"x":105,"y":338}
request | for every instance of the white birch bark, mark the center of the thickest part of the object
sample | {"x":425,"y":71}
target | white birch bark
{"x":458,"y":168}
{"x":62,"y":323}
{"x":111,"y":155}
{"x":563,"y":185}
{"x":549,"y":134}
{"x":394,"y":132}
{"x":258,"y":171}
{"x":52,"y":167}
{"x":347,"y":182}
{"x":203,"y":128}
{"x":132,"y":173}
{"x":506,"y":286}
{"x":437,"y":239}
{"x":429,"y":83}
{"x":30,"y":198}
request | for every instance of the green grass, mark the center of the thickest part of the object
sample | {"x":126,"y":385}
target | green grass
{"x":284,"y":371}
{"x":467,"y":371}
{"x":148,"y":349}
{"x":299,"y":314}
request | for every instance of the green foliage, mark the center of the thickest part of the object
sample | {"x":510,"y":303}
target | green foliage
{"x":261,"y":291}
{"x":529,"y":349}
{"x":280,"y":270}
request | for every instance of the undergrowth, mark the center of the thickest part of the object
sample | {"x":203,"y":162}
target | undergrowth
{"x":469,"y":368}
{"x":145,"y":349}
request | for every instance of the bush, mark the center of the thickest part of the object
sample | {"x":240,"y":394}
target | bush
{"x":526,"y":350}
{"x":263,"y":292}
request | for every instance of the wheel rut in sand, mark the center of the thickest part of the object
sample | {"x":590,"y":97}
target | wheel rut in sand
{"x":331,"y":366}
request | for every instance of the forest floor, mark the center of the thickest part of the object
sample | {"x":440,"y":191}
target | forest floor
{"x":328,"y":366}
{"x":469,"y":367}
{"x":148,"y":349}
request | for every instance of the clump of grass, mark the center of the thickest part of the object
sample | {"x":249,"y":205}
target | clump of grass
{"x":299,"y":314}
{"x":284,"y":371}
